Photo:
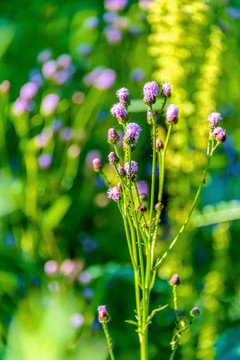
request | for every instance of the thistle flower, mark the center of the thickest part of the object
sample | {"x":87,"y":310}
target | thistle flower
{"x":113,"y":136}
{"x":150,"y":91}
{"x":120,"y":112}
{"x":132,"y":133}
{"x":121,"y":171}
{"x":112,"y":158}
{"x":174,"y":280}
{"x":172,"y":114}
{"x":213,"y":119}
{"x":122,"y":95}
{"x":195,"y":312}
{"x":45,"y":161}
{"x":219,"y":134}
{"x":113,"y":34}
{"x":134,"y":168}
{"x":166,"y":90}
{"x":103,"y":315}
{"x":113,"y":193}
{"x":159,"y":144}
{"x":97,"y":164}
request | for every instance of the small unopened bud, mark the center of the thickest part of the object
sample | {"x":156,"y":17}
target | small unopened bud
{"x":166,"y":90}
{"x":142,"y":208}
{"x":103,"y":315}
{"x":119,"y":187}
{"x":174,"y":280}
{"x":113,"y":159}
{"x":121,"y":171}
{"x":172,"y":114}
{"x":159,"y":144}
{"x":97,"y":164}
{"x":149,"y":117}
{"x":113,"y":136}
{"x":219,"y":134}
{"x":195,"y":312}
{"x":159,"y":206}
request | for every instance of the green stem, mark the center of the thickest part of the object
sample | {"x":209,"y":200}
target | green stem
{"x":159,"y":261}
{"x":110,"y":349}
{"x":173,"y":354}
{"x":175,"y":302}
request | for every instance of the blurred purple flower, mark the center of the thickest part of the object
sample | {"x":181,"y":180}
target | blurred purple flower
{"x":105,"y":79}
{"x":233,"y":12}
{"x":5,"y":86}
{"x":121,"y":22}
{"x":36,"y":79}
{"x":77,"y":320}
{"x":145,"y":4}
{"x":62,"y":76}
{"x":56,"y":124}
{"x":91,"y":22}
{"x":84,"y":49}
{"x":49,"y":104}
{"x":44,"y":55}
{"x":66,"y":133}
{"x":134,"y":167}
{"x":88,"y":293}
{"x":44,"y":161}
{"x":51,"y":267}
{"x":67,"y":267}
{"x":109,"y":16}
{"x":137,"y":74}
{"x":28,"y":91}
{"x":91,"y":156}
{"x":20,"y":106}
{"x":64,"y":61}
{"x":89,"y":245}
{"x":84,"y":278}
{"x":135,"y":29}
{"x":113,"y":34}
{"x":115,"y":5}
{"x":49,"y":69}
{"x":142,"y":187}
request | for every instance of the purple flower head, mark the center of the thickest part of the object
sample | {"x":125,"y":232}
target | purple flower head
{"x":113,"y":193}
{"x":233,"y":12}
{"x":45,"y":161}
{"x":137,"y":74}
{"x":109,"y":16}
{"x":159,"y":144}
{"x":113,"y":159}
{"x":103,"y":315}
{"x":150,"y":91}
{"x":120,"y":112}
{"x":142,"y":187}
{"x":122,"y":95}
{"x":41,"y":140}
{"x":113,"y":34}
{"x":56,"y":124}
{"x":66,"y":133}
{"x":97,"y":164}
{"x":20,"y":106}
{"x":115,"y":5}
{"x":84,"y":49}
{"x":142,"y":208}
{"x":219,"y":134}
{"x":49,"y":104}
{"x":49,"y":69}
{"x":121,"y":171}
{"x":132,"y":133}
{"x":172,"y":114}
{"x":134,"y":168}
{"x":28,"y":91}
{"x":44,"y":55}
{"x":105,"y":79}
{"x":166,"y":90}
{"x":63,"y":61}
{"x":213,"y":119}
{"x":174,"y":280}
{"x":62,"y":76}
{"x":113,"y":136}
{"x":195,"y":312}
{"x":37,"y":79}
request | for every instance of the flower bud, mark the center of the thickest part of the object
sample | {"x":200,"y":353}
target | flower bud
{"x":174,"y":280}
{"x":150,"y":91}
{"x":213,"y":119}
{"x":119,"y":111}
{"x":159,"y":144}
{"x":159,"y":206}
{"x":195,"y":312}
{"x":142,"y":208}
{"x":121,"y":171}
{"x":103,"y":315}
{"x":97,"y":164}
{"x":113,"y":159}
{"x":172,"y":114}
{"x":166,"y":90}
{"x":119,"y":187}
{"x":219,"y":134}
{"x":113,"y":136}
{"x":122,"y":95}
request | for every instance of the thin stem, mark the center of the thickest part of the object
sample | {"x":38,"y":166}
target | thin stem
{"x":110,"y":349}
{"x":175,"y":302}
{"x":173,"y":354}
{"x":159,"y":261}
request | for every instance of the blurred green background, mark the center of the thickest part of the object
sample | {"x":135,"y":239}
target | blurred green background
{"x":62,"y":246}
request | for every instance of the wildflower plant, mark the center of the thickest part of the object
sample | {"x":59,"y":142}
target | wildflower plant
{"x":142,"y":221}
